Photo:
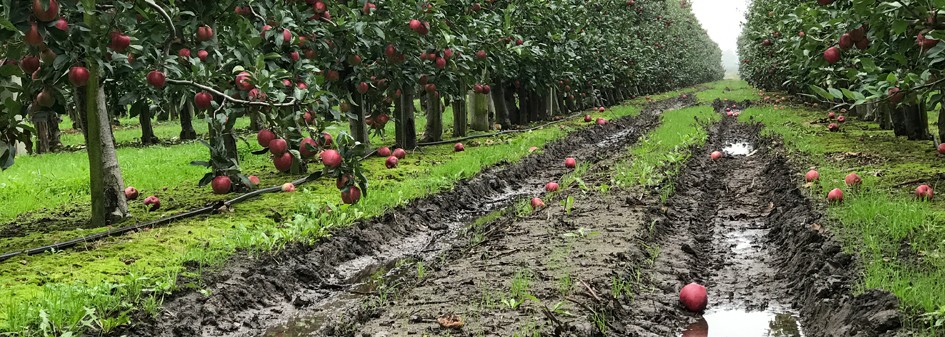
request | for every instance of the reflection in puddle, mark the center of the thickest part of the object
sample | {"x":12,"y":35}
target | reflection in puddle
{"x":738,"y":149}
{"x":735,"y":323}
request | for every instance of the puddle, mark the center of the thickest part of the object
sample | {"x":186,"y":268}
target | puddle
{"x":614,"y":139}
{"x":739,"y":149}
{"x":737,"y":323}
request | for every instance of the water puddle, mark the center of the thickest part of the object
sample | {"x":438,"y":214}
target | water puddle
{"x":737,"y":323}
{"x":739,"y":149}
{"x":614,"y":139}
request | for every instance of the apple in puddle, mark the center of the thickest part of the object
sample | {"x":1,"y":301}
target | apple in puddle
{"x":941,"y":148}
{"x":853,"y":180}
{"x":331,"y":158}
{"x":694,"y":297}
{"x":551,"y":187}
{"x":812,"y":176}
{"x":254,"y":180}
{"x":835,"y":196}
{"x":588,"y":118}
{"x":351,"y":196}
{"x":570,"y":163}
{"x":221,"y":185}
{"x":383,"y":151}
{"x":924,"y":192}
{"x":459,"y":147}
{"x":288,"y":187}
{"x":537,"y":203}
{"x":152,"y":201}
{"x":716,"y":155}
{"x":391,"y":162}
{"x":131,"y":193}
{"x":278,"y":146}
{"x":400,"y":153}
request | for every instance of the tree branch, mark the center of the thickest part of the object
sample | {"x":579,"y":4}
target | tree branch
{"x":227,"y":97}
{"x":170,"y":25}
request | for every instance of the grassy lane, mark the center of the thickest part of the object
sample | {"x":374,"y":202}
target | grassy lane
{"x":900,"y":240}
{"x":111,"y":278}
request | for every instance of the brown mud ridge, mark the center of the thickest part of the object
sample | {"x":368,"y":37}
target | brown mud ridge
{"x":743,"y":227}
{"x":251,"y":295}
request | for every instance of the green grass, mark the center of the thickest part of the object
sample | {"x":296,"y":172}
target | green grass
{"x":878,"y":219}
{"x":734,"y":90}
{"x":659,"y":155}
{"x":32,"y":287}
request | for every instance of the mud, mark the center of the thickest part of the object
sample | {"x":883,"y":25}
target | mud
{"x":251,"y":295}
{"x":742,"y":227}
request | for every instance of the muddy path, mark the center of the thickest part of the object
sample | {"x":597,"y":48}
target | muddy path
{"x":250,"y":296}
{"x":743,"y":227}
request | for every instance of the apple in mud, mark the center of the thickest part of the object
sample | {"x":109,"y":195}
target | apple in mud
{"x":400,"y":153}
{"x":459,"y":147}
{"x":383,"y":152}
{"x":351,"y":196}
{"x":716,"y":155}
{"x":221,"y":185}
{"x":853,"y":180}
{"x":331,"y":158}
{"x":278,"y":146}
{"x":924,"y":192}
{"x":264,"y":137}
{"x":254,"y":180}
{"x":288,"y":187}
{"x":570,"y":163}
{"x":537,"y":203}
{"x":283,"y":162}
{"x":835,"y":196}
{"x":551,"y":187}
{"x":152,"y":201}
{"x":812,"y":176}
{"x":131,"y":193}
{"x":694,"y":297}
{"x":391,"y":162}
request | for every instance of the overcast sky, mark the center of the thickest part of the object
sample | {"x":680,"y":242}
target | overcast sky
{"x":722,"y":19}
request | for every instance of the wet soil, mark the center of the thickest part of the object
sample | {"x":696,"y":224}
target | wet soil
{"x":742,"y":227}
{"x":252,"y":295}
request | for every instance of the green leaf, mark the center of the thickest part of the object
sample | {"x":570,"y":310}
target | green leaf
{"x":892,"y":79}
{"x":835,"y":93}
{"x":820,"y":91}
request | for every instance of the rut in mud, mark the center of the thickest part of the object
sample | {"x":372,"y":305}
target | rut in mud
{"x":743,"y":227}
{"x":250,"y":296}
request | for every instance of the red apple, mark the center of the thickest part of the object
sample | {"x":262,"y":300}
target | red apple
{"x":835,"y":196}
{"x":286,"y":36}
{"x":288,"y":187}
{"x":62,"y":24}
{"x":152,"y":201}
{"x":202,"y":100}
{"x":832,"y":55}
{"x":283,"y":162}
{"x":588,"y":118}
{"x":184,"y":54}
{"x":481,"y":54}
{"x":537,"y":203}
{"x":570,"y":163}
{"x":694,"y":297}
{"x":841,"y":119}
{"x":131,"y":193}
{"x":363,"y":87}
{"x":204,"y":33}
{"x":156,"y":79}
{"x":811,"y":176}
{"x":304,"y":150}
{"x":941,"y":148}
{"x":459,"y":147}
{"x":831,"y":115}
{"x":46,"y":14}
{"x":33,"y":37}
{"x":400,"y":153}
{"x":551,"y":187}
{"x":924,"y":192}
{"x":853,"y":180}
{"x":29,"y":64}
{"x":351,"y":196}
{"x":601,"y":121}
{"x":278,"y":146}
{"x":78,"y":76}
{"x":221,"y":185}
{"x":202,"y":55}
{"x":264,"y":137}
{"x":716,"y":155}
{"x":254,"y":180}
{"x":846,"y":42}
{"x":383,"y":151}
{"x":391,"y":162}
{"x":244,"y":81}
{"x":833,"y":127}
{"x":331,"y":158}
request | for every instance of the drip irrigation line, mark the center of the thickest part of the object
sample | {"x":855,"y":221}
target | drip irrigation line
{"x":217,"y":206}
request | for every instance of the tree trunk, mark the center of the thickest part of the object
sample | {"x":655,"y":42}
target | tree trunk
{"x":144,"y":118}
{"x":359,"y":130}
{"x":434,"y":128}
{"x":916,"y":121}
{"x":541,"y":105}
{"x":106,"y":184}
{"x":405,"y":126}
{"x":187,"y":115}
{"x":478,"y":105}
{"x":55,"y":142}
{"x":460,"y":117}
{"x":501,"y":107}
{"x":884,"y":114}
{"x":941,"y":124}
{"x":41,"y":124}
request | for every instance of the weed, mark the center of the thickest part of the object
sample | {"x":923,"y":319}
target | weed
{"x":568,"y":205}
{"x":582,"y":232}
{"x":421,"y":271}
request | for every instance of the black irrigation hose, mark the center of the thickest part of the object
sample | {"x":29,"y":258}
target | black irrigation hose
{"x":149,"y":224}
{"x":216,"y":206}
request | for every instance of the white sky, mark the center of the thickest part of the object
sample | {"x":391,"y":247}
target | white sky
{"x":722,"y":19}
